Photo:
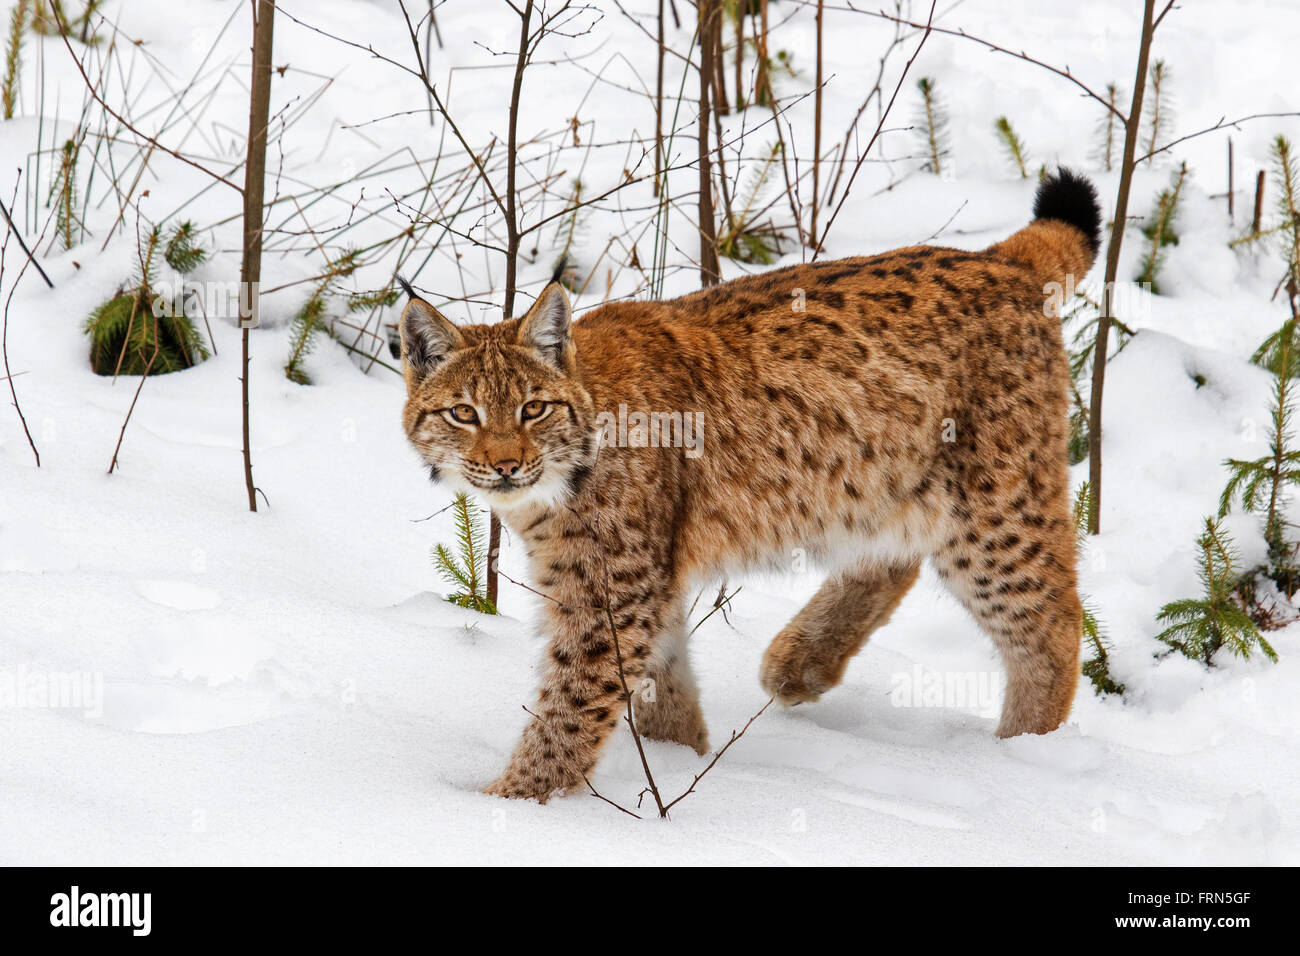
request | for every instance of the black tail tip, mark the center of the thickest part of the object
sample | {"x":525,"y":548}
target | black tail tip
{"x":1070,"y":198}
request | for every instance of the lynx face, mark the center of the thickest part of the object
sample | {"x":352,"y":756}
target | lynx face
{"x":498,"y":410}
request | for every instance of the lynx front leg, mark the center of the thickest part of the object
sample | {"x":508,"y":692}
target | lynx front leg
{"x":581,"y":699}
{"x":666,"y":702}
{"x":810,"y":654}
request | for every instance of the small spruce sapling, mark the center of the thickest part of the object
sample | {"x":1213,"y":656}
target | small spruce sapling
{"x":1013,"y":144}
{"x":1159,"y":229}
{"x":311,"y":319}
{"x":1288,"y":172}
{"x":1108,"y":141}
{"x":1097,"y":667}
{"x":466,"y":570}
{"x":1260,"y":485}
{"x":137,"y":329}
{"x":1199,"y":627}
{"x":1287,"y":228}
{"x":743,"y":238}
{"x":14,"y":57}
{"x":932,"y":126}
{"x":1159,"y":108}
{"x":63,"y":196}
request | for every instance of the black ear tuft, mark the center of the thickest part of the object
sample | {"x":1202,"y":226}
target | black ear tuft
{"x":1071,"y":199}
{"x":406,"y":287}
{"x":560,"y":266}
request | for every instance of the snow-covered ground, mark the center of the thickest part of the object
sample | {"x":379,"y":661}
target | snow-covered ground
{"x":290,"y":687}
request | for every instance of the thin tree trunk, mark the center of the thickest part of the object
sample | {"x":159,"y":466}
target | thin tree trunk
{"x":742,"y":7}
{"x":1258,"y":222}
{"x":659,"y":105}
{"x":1230,"y":196}
{"x":763,"y":87}
{"x":250,"y":269}
{"x":817,"y":131}
{"x":512,"y":253}
{"x":715,"y":31}
{"x":720,"y":103}
{"x":1112,"y":268}
{"x":709,"y":272}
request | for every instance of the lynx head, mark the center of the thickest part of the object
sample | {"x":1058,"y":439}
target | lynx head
{"x":499,"y":410}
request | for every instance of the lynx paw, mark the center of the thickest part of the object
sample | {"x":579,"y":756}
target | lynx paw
{"x":525,"y":784}
{"x":797,"y":669}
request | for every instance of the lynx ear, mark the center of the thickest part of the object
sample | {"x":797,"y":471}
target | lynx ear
{"x":427,"y":339}
{"x":545,"y":329}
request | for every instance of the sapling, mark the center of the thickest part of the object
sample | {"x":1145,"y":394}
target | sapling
{"x":63,"y":196}
{"x":311,"y":317}
{"x":1288,"y":174}
{"x":932,"y":126}
{"x":1097,"y":667}
{"x":137,"y":331}
{"x":743,"y":238}
{"x":13,"y":57}
{"x":1260,"y":485}
{"x":466,"y":568}
{"x":1110,"y":125}
{"x":1286,"y":229}
{"x":1159,"y":229}
{"x":1159,"y":108}
{"x":1200,"y":627}
{"x":1013,"y":144}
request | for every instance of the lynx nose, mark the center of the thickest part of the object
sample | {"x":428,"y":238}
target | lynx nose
{"x":506,"y":468}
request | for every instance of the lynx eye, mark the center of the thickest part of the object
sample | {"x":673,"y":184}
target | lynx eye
{"x":464,"y":414}
{"x":533,"y":409}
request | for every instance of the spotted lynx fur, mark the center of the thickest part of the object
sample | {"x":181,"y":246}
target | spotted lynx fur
{"x":915,"y":408}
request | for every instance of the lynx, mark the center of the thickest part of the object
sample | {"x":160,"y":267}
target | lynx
{"x":870,"y":412}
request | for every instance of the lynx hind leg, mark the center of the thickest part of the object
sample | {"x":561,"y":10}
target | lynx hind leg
{"x":1013,"y":569}
{"x":809,"y":655}
{"x":666,"y":701}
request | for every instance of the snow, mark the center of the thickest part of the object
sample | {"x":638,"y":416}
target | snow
{"x":290,"y":687}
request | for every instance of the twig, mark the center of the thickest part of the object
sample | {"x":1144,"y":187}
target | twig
{"x":723,"y":600}
{"x":848,"y":187}
{"x":1021,"y":55}
{"x":1223,"y":123}
{"x":4,"y":324}
{"x":19,"y":236}
{"x":735,"y":735}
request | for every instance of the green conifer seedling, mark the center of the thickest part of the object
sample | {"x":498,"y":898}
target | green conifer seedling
{"x":932,"y":126}
{"x":744,"y":238}
{"x":1097,"y":667}
{"x":13,"y":57}
{"x":1200,"y":627}
{"x":466,"y":569}
{"x":135,"y":332}
{"x":312,"y":317}
{"x":1013,"y":144}
{"x":1159,"y":229}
